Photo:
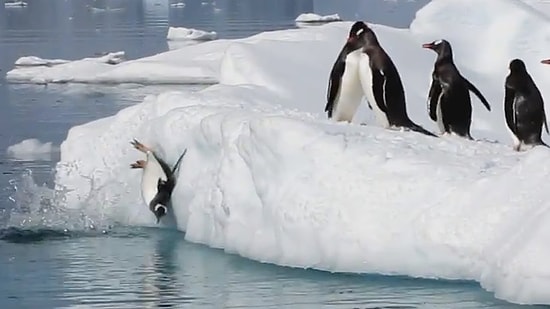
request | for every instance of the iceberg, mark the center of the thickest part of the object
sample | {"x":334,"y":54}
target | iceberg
{"x":267,"y":177}
{"x":181,"y":33}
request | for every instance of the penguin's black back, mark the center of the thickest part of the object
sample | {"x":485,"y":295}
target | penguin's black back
{"x":524,"y":105}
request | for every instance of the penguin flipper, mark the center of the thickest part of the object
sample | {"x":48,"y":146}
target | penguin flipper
{"x":334,"y":82}
{"x":433,"y":97}
{"x":378,"y":83}
{"x":478,"y":94}
{"x":509,"y":95}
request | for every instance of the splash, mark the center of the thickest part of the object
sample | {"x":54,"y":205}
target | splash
{"x":36,"y":212}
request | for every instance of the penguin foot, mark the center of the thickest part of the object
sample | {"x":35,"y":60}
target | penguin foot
{"x":139,"y":146}
{"x":138,"y":164}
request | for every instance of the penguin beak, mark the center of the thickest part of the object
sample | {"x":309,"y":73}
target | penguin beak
{"x":545,"y":61}
{"x":428,"y":45}
{"x":351,"y":39}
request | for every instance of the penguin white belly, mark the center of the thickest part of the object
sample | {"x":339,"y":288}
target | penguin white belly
{"x":149,"y":179}
{"x":350,"y":93}
{"x":365,"y":75}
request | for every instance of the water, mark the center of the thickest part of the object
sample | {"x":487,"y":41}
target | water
{"x":50,"y":259}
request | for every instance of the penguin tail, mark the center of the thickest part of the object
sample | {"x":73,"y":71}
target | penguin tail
{"x":416,"y":128}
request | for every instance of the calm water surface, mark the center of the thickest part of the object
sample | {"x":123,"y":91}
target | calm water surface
{"x":56,"y":261}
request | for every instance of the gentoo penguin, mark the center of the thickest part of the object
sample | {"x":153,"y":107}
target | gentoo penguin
{"x":382,"y":85}
{"x":344,"y":93}
{"x":523,"y":107}
{"x":449,"y":101}
{"x":158,"y":180}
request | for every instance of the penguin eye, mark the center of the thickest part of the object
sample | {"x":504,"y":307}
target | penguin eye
{"x":437,"y":42}
{"x":360,"y":31}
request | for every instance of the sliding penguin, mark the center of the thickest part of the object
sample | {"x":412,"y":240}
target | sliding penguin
{"x":158,"y":180}
{"x":344,"y":93}
{"x":523,"y":107}
{"x":449,"y":101}
{"x":382,"y":85}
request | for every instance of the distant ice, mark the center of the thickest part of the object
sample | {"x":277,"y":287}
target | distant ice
{"x":31,"y":149}
{"x":316,"y":18}
{"x":105,"y":10}
{"x":179,"y":5}
{"x":180,"y":33}
{"x":15,"y":4}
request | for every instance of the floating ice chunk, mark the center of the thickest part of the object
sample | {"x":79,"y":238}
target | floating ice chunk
{"x":179,"y":5}
{"x":31,"y":149}
{"x":316,"y":18}
{"x":15,"y":4}
{"x":180,"y":33}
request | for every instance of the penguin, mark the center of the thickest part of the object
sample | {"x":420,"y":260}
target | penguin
{"x":157,"y":181}
{"x":382,"y":85}
{"x":523,"y":107}
{"x":344,"y":93}
{"x":449,"y":101}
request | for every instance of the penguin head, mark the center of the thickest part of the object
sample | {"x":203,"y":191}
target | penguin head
{"x":160,"y":211}
{"x":357,"y":34}
{"x":441,"y":47}
{"x":517,"y":65}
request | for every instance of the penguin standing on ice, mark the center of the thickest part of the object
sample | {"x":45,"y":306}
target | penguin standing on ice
{"x":158,"y":180}
{"x":382,"y":85}
{"x":344,"y":93}
{"x":523,"y":107}
{"x":449,"y":101}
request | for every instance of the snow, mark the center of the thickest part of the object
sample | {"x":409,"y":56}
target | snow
{"x":31,"y":149}
{"x":181,"y":33}
{"x":15,"y":4}
{"x":316,"y":18}
{"x":266,"y":176}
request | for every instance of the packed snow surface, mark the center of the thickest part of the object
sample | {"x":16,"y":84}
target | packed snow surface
{"x":266,"y":175}
{"x":180,"y":33}
{"x":316,"y":18}
{"x":31,"y":149}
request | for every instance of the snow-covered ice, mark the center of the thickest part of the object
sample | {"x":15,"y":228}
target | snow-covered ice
{"x":316,"y":18}
{"x":37,"y":70}
{"x":181,"y":33}
{"x":30,"y":61}
{"x":31,"y":149}
{"x":266,"y":176}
